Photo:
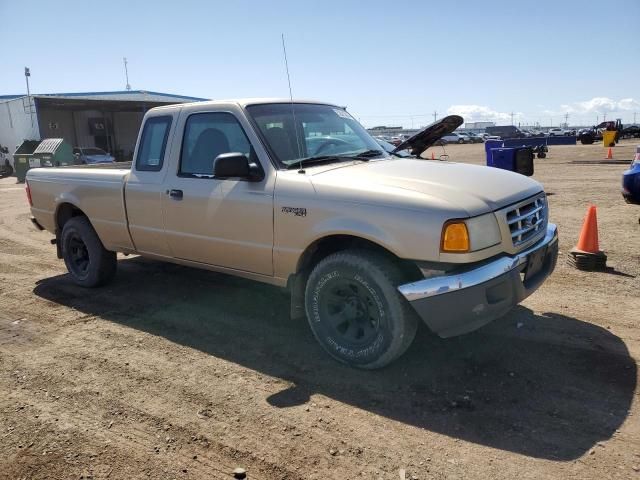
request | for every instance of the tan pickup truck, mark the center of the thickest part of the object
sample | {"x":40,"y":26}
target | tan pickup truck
{"x":298,"y":194}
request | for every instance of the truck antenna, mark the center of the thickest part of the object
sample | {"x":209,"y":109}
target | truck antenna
{"x":293,"y":113}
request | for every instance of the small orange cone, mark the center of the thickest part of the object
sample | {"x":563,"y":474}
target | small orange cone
{"x":587,"y":254}
{"x":609,"y":154}
{"x":433,"y":157}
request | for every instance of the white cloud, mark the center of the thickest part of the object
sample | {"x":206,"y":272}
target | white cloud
{"x":601,"y":105}
{"x":479,"y":113}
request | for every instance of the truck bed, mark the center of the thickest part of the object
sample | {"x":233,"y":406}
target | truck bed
{"x":97,"y":190}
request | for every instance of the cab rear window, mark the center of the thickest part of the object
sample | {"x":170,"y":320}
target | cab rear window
{"x":153,"y":144}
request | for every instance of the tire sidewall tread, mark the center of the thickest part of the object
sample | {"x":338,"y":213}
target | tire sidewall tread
{"x":381,"y":277}
{"x":102,"y":262}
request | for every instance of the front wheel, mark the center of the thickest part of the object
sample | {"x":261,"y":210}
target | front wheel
{"x":6,"y":170}
{"x":355,"y":310}
{"x":88,"y":262}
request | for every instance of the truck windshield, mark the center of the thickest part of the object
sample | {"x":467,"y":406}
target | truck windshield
{"x":299,"y":132}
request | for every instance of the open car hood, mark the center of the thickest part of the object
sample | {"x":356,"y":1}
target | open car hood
{"x":430,"y":134}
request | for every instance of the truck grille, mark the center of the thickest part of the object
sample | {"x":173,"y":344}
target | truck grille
{"x":527,"y":220}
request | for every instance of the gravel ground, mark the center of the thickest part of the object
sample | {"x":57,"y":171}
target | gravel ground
{"x":171,"y":372}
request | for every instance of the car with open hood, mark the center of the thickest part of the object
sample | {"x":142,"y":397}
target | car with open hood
{"x":368,"y":240}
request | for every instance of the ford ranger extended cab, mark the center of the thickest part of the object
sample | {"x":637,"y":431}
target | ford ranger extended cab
{"x":298,"y":194}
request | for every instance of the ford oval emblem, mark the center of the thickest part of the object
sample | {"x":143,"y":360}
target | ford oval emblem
{"x":529,"y":221}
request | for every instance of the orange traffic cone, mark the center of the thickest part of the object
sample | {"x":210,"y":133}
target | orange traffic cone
{"x":433,"y":157}
{"x":609,"y":154}
{"x":587,"y":254}
{"x":588,"y":240}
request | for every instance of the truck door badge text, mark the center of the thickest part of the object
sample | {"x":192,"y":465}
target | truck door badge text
{"x":297,"y":211}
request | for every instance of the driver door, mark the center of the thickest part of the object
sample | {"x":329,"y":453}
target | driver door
{"x":222,"y":222}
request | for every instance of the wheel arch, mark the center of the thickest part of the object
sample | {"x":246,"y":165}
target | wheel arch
{"x":64,"y":212}
{"x":327,"y":245}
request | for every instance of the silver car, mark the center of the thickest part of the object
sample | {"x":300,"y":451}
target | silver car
{"x":91,"y":155}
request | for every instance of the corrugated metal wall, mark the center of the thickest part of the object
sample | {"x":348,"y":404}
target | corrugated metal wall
{"x":126,"y":126}
{"x":15,"y":123}
{"x":60,"y":123}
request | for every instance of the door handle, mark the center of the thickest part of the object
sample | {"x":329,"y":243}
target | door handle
{"x":176,"y":194}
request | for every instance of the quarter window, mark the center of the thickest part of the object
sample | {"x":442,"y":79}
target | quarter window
{"x":208,"y":135}
{"x":153,"y":144}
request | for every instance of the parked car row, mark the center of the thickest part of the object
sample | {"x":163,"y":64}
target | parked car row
{"x":496,"y":133}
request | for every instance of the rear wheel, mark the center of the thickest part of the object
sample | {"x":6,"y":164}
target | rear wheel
{"x":586,"y":139}
{"x":88,"y":262}
{"x":355,"y":310}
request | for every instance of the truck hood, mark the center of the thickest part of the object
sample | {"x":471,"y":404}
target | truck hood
{"x":426,"y":137}
{"x":473,"y":189}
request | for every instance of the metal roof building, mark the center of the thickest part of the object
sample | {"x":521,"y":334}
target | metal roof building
{"x":107,"y":120}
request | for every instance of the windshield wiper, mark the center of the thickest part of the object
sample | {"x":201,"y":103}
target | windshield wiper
{"x":368,"y":154}
{"x":363,"y":156}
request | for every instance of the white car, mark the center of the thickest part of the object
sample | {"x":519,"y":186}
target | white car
{"x":555,"y":132}
{"x":456,"y":138}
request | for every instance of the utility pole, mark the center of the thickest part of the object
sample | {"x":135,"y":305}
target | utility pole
{"x":511,"y":118}
{"x":566,"y":120}
{"x":27,"y":74}
{"x":435,"y":115}
{"x":126,"y":72}
{"x":604,"y":117}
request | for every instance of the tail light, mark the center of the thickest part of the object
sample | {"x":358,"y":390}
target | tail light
{"x":28,"y":190}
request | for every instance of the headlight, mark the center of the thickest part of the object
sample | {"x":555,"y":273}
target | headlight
{"x":477,"y":233}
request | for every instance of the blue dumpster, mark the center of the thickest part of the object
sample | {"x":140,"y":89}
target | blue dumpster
{"x":515,"y":159}
{"x":489,"y":145}
{"x":503,"y":158}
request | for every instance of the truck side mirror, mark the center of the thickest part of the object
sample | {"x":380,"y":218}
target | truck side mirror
{"x":235,"y":164}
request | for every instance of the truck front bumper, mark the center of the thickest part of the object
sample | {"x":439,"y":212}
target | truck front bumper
{"x":464,"y":301}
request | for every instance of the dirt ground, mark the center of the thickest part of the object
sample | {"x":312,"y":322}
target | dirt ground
{"x":177,"y":373}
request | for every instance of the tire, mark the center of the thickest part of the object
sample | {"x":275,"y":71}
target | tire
{"x":355,"y":310}
{"x":586,"y":139}
{"x":88,"y":262}
{"x":6,"y":171}
{"x":461,"y":141}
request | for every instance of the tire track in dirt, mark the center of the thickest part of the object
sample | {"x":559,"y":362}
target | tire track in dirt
{"x":67,"y":408}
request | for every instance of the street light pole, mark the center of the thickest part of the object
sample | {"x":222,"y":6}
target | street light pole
{"x":27,"y":74}
{"x":126,"y":72}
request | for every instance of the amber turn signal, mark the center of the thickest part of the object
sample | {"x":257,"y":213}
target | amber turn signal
{"x":455,"y":237}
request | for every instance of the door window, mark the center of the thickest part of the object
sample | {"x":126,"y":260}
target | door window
{"x":153,"y":143}
{"x":207,"y":135}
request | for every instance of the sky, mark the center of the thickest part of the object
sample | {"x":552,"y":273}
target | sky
{"x":389,"y":63}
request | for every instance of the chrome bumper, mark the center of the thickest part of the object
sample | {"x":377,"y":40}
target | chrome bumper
{"x":463,"y":301}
